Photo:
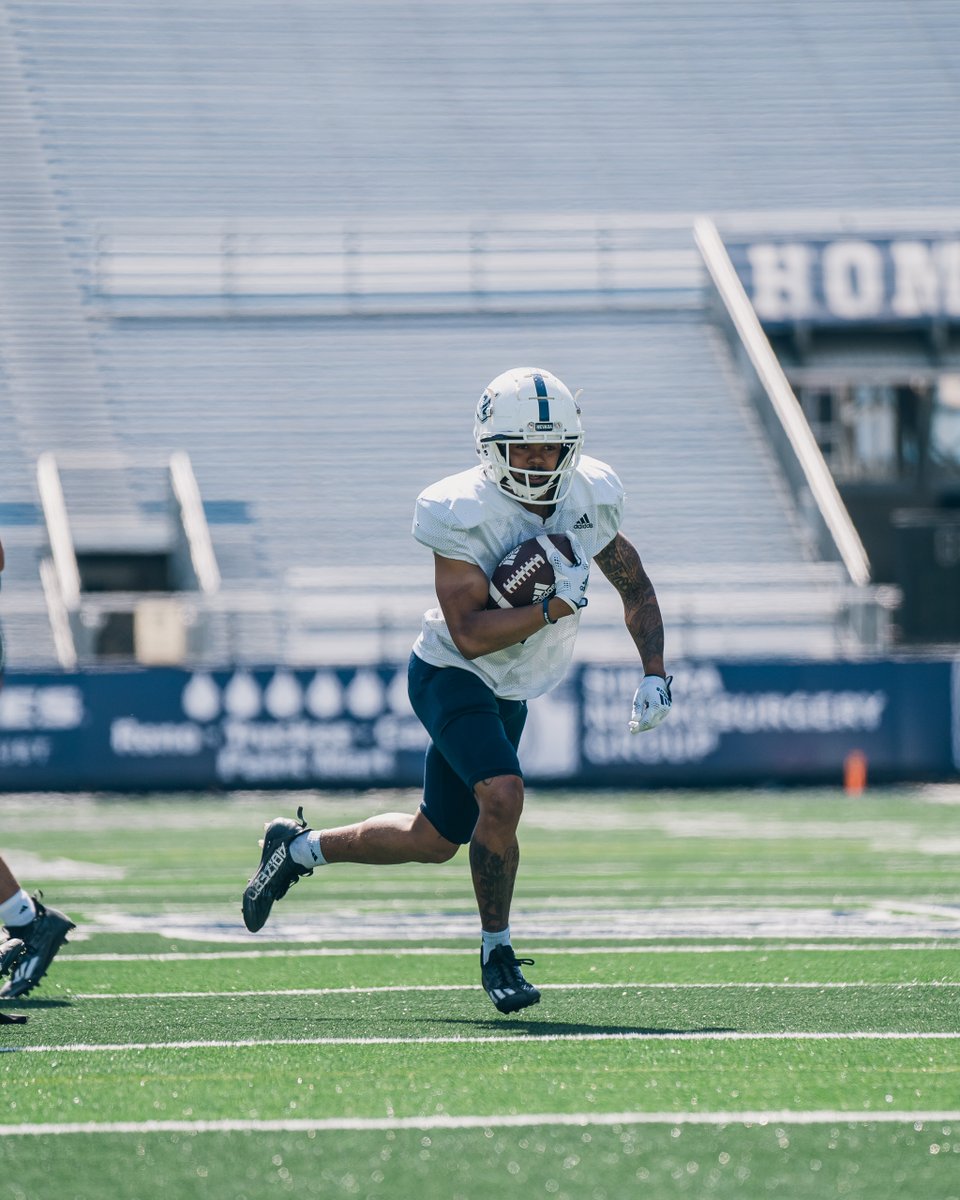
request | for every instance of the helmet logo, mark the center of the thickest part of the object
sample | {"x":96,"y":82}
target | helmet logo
{"x":543,"y":426}
{"x":485,"y":407}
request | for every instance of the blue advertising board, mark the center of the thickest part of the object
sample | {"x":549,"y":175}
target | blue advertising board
{"x":783,"y":722}
{"x":352,"y":727}
{"x":847,"y":280}
{"x":164,"y":728}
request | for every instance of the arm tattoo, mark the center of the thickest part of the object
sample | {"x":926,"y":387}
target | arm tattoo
{"x":621,"y":564}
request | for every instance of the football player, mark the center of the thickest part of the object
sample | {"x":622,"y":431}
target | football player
{"x":474,"y":668}
{"x":1,"y":627}
{"x":35,"y":932}
{"x":42,"y":931}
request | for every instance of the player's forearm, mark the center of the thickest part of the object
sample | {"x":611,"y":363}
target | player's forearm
{"x":645,"y":624}
{"x":621,"y":564}
{"x":487,"y":630}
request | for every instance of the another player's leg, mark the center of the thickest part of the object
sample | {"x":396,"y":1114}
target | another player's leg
{"x":42,"y":935}
{"x":42,"y":930}
{"x":11,"y":951}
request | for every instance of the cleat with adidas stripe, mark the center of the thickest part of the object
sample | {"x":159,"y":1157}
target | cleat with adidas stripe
{"x":503,"y":980}
{"x":43,"y":937}
{"x":11,"y":951}
{"x":277,"y":871}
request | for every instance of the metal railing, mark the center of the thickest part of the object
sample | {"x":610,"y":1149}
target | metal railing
{"x":562,"y":263}
{"x":75,"y":617}
{"x":816,"y":493}
{"x":354,"y":616}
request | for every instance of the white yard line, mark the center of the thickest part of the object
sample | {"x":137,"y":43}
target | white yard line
{"x":921,"y":909}
{"x":469,"y":987}
{"x":494,"y":1039}
{"x":417,"y":951}
{"x":356,"y":921}
{"x":775,"y":1117}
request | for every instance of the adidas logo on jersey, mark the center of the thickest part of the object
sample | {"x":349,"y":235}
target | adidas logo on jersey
{"x":584,"y":523}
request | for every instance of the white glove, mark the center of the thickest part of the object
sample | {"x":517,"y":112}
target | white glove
{"x":651,"y":703}
{"x":571,"y":578}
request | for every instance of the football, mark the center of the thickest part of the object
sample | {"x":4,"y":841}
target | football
{"x":524,"y":576}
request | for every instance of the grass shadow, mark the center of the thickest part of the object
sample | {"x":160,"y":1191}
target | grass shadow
{"x":528,"y":1024}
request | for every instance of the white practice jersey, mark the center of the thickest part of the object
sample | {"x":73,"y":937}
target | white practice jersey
{"x":467,"y":517}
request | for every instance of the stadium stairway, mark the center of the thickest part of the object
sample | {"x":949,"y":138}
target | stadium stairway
{"x":52,"y":392}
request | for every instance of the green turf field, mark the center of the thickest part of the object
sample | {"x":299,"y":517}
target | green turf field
{"x":744,"y":995}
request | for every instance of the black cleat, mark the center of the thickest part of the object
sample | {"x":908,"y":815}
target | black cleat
{"x":43,"y":937}
{"x":503,"y":980}
{"x":10,"y":954}
{"x":277,"y":870}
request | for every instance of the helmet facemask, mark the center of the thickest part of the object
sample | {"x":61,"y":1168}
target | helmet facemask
{"x":528,"y":406}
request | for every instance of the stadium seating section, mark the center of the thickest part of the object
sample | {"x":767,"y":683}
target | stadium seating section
{"x":311,"y":436}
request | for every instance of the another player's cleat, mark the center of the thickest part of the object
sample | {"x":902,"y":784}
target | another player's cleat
{"x":277,"y":870}
{"x":43,"y":937}
{"x":11,"y":952}
{"x":503,"y":980}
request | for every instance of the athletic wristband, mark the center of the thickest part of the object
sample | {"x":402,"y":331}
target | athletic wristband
{"x":546,"y":611}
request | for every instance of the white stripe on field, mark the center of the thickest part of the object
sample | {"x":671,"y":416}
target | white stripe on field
{"x":775,"y":1117}
{"x":734,"y":1035}
{"x":469,"y":987}
{"x":416,"y":951}
{"x":356,"y":921}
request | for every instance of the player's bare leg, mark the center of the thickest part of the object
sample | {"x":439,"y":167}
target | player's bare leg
{"x":494,"y":859}
{"x":387,"y":838}
{"x":291,"y":850}
{"x":494,"y":851}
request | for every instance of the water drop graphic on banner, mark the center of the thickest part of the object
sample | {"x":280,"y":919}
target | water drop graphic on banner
{"x":324,"y":698}
{"x":241,"y":697}
{"x":364,"y":695}
{"x":201,"y":699}
{"x":397,"y":697}
{"x":283,"y":696}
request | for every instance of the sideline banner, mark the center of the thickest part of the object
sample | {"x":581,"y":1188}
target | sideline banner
{"x":777,"y":722}
{"x":164,"y":728}
{"x":352,"y":727}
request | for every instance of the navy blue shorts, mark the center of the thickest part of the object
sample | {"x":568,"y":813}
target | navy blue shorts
{"x":473,"y":736}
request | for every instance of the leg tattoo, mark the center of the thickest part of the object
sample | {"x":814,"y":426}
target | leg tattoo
{"x":493,"y":879}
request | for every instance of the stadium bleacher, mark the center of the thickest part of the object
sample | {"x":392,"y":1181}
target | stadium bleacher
{"x":310,"y":436}
{"x":369,"y":108}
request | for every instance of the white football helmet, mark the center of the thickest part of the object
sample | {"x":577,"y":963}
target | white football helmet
{"x":528,"y":405}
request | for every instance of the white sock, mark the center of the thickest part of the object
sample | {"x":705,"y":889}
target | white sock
{"x":305,"y":850}
{"x":489,"y":940}
{"x":18,"y":910}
